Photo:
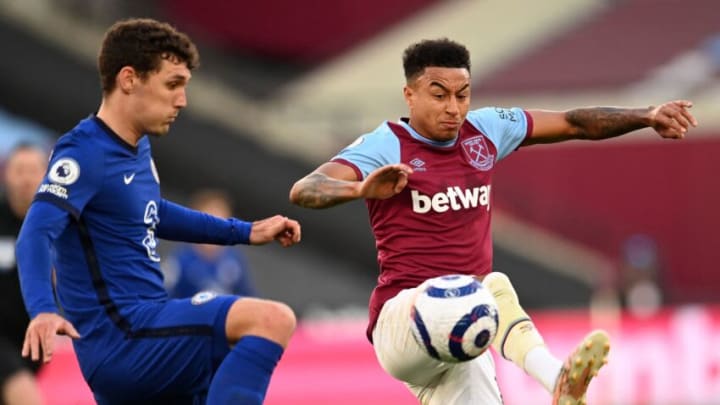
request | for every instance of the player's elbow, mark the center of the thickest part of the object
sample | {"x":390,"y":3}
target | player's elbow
{"x":294,"y":195}
{"x":302,"y":194}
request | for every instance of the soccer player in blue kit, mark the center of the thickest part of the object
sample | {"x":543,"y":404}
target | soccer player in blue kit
{"x":97,"y":218}
{"x":427,"y":182}
{"x":193,"y":267}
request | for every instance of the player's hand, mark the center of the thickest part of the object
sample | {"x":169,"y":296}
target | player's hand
{"x":386,"y":181}
{"x":282,"y":229}
{"x":672,"y":119}
{"x":40,"y":335}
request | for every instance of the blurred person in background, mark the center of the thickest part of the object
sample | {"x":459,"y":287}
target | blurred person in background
{"x":426,"y":180}
{"x":98,"y":217}
{"x":711,"y":49}
{"x":605,"y":306}
{"x":635,"y":286}
{"x":640,"y":289}
{"x":23,"y":171}
{"x":192,"y":268}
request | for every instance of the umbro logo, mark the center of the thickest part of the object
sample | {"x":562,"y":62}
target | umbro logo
{"x":418,"y":164}
{"x":128,"y":179}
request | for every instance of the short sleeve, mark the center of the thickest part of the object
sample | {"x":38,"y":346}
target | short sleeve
{"x":507,"y":128}
{"x":371,"y":151}
{"x":74,"y":175}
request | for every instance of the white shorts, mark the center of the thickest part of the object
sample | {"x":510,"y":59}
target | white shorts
{"x":433,"y":382}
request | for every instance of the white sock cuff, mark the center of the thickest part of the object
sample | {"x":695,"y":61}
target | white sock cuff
{"x":543,"y":366}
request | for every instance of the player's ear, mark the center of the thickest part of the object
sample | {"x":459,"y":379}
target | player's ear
{"x":408,"y":95}
{"x":126,"y":79}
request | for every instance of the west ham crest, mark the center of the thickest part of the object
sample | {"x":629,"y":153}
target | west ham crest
{"x":478,"y":153}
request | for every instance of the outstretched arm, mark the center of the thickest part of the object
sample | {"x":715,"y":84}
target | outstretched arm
{"x":334,"y":183}
{"x":43,"y":223}
{"x":670,"y":120}
{"x":184,"y":224}
{"x":329,"y":185}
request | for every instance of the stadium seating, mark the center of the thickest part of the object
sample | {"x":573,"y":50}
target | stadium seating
{"x":617,"y":46}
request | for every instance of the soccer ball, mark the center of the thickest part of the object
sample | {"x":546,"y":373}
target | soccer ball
{"x":454,"y":317}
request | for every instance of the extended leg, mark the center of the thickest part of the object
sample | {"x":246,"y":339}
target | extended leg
{"x":519,"y":341}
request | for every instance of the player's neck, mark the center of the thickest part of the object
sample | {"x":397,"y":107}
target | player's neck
{"x":112,"y":115}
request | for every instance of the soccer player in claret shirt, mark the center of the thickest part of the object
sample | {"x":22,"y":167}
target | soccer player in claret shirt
{"x":100,"y":211}
{"x":427,"y":183}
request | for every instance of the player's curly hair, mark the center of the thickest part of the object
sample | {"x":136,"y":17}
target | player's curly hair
{"x":434,"y":52}
{"x":142,"y":43}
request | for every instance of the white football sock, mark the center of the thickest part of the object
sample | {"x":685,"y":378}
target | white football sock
{"x":543,"y":366}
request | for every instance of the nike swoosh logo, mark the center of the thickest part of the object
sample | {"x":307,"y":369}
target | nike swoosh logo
{"x":128,"y":179}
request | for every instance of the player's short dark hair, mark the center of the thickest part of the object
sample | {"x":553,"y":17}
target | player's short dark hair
{"x":142,"y":43}
{"x":436,"y":53}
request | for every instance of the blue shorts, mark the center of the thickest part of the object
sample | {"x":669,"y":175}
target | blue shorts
{"x":171,"y":356}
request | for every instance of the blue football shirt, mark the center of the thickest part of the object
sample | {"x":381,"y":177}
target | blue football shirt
{"x":111,"y":189}
{"x":97,"y":217}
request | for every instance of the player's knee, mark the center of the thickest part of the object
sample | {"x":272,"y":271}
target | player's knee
{"x":282,"y":318}
{"x":496,"y":280}
{"x":499,"y":285}
{"x":269,"y":319}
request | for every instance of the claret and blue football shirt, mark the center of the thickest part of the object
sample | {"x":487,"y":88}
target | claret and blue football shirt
{"x":440,"y":222}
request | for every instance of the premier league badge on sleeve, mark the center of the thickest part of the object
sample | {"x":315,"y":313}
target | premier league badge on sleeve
{"x":65,"y":171}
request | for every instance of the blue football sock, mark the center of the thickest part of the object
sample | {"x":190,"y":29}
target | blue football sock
{"x":244,"y":375}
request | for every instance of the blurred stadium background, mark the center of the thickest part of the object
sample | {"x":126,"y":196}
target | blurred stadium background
{"x":621,"y":235}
